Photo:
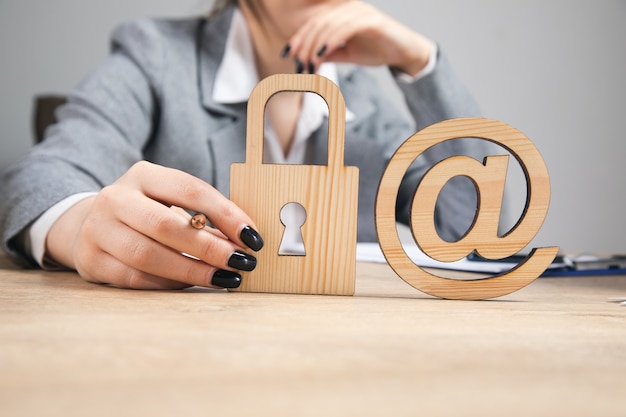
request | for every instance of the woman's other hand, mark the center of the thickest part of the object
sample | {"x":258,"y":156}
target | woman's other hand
{"x":357,"y":32}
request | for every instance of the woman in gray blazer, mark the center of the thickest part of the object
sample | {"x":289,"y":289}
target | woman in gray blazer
{"x":159,"y":123}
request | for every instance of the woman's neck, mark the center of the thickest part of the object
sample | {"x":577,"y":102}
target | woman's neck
{"x":267,"y":44}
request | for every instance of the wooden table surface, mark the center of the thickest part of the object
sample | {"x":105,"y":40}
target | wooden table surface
{"x":70,"y":348}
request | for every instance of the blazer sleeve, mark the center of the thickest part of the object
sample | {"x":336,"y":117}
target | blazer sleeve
{"x":100,"y":133}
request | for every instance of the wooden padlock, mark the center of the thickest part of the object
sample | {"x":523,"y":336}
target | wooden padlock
{"x":328,"y":193}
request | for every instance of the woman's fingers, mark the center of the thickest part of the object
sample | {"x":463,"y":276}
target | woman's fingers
{"x":158,"y":223}
{"x":103,"y":268}
{"x":107,"y":269}
{"x":143,"y":254}
{"x":314,"y":39}
{"x":325,"y":32}
{"x":174,"y":187}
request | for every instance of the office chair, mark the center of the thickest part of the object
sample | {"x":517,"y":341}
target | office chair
{"x":43,"y":113}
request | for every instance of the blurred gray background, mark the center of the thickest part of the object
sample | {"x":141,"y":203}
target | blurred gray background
{"x":554,"y":70}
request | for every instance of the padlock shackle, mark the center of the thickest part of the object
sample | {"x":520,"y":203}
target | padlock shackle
{"x":311,"y":83}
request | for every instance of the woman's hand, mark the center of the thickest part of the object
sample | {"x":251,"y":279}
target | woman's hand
{"x":129,"y":236}
{"x":357,"y":32}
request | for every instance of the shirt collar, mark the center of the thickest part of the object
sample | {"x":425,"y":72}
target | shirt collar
{"x":236,"y":75}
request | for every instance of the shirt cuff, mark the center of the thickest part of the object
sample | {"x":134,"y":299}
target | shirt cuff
{"x":38,"y":231}
{"x":427,"y":70}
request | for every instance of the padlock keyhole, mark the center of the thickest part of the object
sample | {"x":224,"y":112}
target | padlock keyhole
{"x":292,"y":216}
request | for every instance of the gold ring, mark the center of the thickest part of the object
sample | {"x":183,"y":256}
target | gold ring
{"x":198,"y":221}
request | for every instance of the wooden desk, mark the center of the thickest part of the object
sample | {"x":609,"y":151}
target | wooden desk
{"x":69,"y":348}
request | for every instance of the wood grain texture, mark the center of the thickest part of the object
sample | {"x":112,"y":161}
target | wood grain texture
{"x":70,"y":348}
{"x":482,"y":236}
{"x":329,"y":195}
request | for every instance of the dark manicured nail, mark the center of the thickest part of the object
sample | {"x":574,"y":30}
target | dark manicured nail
{"x":285,"y":52}
{"x":251,"y":237}
{"x":226,"y":279}
{"x":242,"y":261}
{"x":311,"y":68}
{"x":322,"y":50}
{"x":299,"y":66}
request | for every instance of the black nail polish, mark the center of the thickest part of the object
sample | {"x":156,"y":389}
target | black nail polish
{"x":285,"y":52}
{"x":242,"y":261}
{"x":299,"y":66}
{"x":251,"y":238}
{"x":322,"y":50}
{"x":226,"y":279}
{"x":311,"y":68}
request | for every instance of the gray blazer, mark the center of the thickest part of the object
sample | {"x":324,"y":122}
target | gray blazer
{"x":151,"y":99}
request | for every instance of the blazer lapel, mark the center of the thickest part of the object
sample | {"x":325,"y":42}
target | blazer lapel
{"x":356,"y":100}
{"x":362,"y":109}
{"x":227,"y":122}
{"x":227,"y":145}
{"x":211,"y":44}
